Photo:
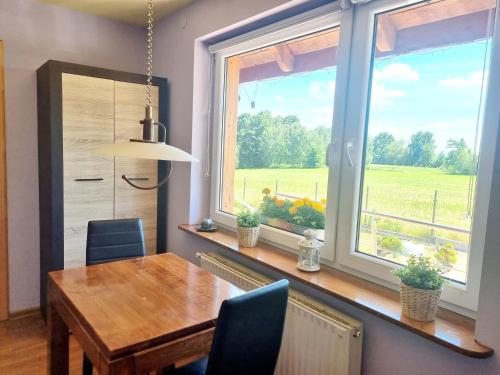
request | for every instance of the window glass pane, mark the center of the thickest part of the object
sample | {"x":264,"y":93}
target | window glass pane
{"x":428,"y":76}
{"x":277,"y":125}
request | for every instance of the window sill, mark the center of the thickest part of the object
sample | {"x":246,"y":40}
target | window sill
{"x":450,"y":329}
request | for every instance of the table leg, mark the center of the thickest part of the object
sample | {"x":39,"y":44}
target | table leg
{"x":58,"y":354}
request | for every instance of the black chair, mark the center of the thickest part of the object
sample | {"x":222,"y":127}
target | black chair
{"x":248,"y":334}
{"x":111,"y":240}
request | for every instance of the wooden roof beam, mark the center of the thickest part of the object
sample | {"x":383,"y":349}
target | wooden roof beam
{"x":386,"y":33}
{"x":284,"y":57}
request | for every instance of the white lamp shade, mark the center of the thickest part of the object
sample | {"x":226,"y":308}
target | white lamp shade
{"x":144,"y":150}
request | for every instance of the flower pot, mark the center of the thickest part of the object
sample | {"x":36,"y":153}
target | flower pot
{"x":283,"y":224}
{"x":247,"y":237}
{"x":419,"y":304}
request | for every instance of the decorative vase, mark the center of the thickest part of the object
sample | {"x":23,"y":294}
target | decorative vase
{"x":309,"y":249}
{"x":248,"y":236}
{"x":419,"y":304}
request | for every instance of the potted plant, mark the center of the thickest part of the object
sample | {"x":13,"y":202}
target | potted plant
{"x":420,"y":288}
{"x":248,"y":228}
{"x":293,"y":216}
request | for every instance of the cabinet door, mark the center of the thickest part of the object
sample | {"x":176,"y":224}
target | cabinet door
{"x":130,"y":202}
{"x":88,"y":122}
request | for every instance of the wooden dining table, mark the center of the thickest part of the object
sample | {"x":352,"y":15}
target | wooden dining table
{"x":134,"y":316}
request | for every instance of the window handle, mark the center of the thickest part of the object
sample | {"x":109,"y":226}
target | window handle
{"x":348,"y":150}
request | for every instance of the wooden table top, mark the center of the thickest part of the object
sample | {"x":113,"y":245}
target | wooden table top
{"x":131,"y":305}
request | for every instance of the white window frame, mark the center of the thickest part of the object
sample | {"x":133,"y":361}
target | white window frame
{"x":351,"y":100}
{"x":455,"y":296}
{"x":313,"y":21}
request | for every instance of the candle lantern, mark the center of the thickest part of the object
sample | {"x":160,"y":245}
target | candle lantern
{"x":309,"y":249}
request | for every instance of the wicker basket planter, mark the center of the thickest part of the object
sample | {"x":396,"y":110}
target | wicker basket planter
{"x":248,"y":236}
{"x":419,"y":304}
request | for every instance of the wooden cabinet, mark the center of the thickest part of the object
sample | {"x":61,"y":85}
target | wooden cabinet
{"x":79,"y":109}
{"x":88,"y":122}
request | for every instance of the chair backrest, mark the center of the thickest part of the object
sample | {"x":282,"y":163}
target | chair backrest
{"x":248,"y":333}
{"x":110,"y":240}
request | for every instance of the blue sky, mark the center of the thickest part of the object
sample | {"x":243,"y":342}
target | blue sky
{"x":437,"y":91}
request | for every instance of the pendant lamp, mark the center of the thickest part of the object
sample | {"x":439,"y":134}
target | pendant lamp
{"x":148,"y":147}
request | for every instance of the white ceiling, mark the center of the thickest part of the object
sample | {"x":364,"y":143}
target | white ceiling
{"x":132,"y":11}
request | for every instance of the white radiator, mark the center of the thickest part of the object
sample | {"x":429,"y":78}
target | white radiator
{"x":317,"y":339}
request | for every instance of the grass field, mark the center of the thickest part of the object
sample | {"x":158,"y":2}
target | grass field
{"x":406,"y":192}
{"x":397,"y":190}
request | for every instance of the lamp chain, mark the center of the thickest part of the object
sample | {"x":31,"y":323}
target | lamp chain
{"x":149,"y":57}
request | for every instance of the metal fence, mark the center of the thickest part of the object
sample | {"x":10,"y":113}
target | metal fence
{"x":437,"y":209}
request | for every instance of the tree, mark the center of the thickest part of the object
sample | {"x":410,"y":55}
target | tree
{"x":369,"y":151}
{"x":381,"y":143}
{"x":296,"y":142}
{"x":317,"y":140}
{"x":440,"y":159}
{"x":460,"y":160}
{"x":386,"y":150}
{"x":251,"y":139}
{"x":421,"y":149}
{"x":312,"y":159}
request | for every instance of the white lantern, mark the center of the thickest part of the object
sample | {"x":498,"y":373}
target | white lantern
{"x":309,"y":249}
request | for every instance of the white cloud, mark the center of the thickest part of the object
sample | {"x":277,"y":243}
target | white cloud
{"x":396,"y":72}
{"x":319,"y":116}
{"x":321,"y":89}
{"x":382,"y":95}
{"x":279,"y":98}
{"x":474,"y":79}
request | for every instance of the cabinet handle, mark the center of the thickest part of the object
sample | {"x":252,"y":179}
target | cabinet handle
{"x":89,"y":179}
{"x":138,"y":178}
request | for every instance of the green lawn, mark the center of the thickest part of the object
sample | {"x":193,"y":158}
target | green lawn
{"x":401,"y":191}
{"x":397,"y":190}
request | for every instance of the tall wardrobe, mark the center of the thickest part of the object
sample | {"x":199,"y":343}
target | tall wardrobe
{"x":79,"y":109}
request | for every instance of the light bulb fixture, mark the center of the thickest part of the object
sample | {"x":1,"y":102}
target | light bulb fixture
{"x":148,"y":147}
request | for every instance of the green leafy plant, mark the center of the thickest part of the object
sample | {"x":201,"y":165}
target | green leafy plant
{"x":391,"y":243}
{"x":248,"y":219}
{"x":421,"y":273}
{"x":447,"y":255}
{"x":275,"y":207}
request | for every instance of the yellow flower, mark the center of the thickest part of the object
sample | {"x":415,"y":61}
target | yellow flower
{"x":307,"y":201}
{"x":280,"y":202}
{"x":317,"y":206}
{"x":298,"y":203}
{"x":292,"y":210}
{"x":323,"y":201}
{"x":275,"y":198}
{"x":266,"y":191}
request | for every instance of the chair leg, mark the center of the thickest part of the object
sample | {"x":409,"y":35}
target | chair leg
{"x":87,"y":365}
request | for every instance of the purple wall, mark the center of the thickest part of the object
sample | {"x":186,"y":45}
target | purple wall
{"x":182,"y":57}
{"x":34,"y":33}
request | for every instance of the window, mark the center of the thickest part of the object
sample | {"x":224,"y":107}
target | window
{"x":371,"y":133}
{"x":276,"y":112}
